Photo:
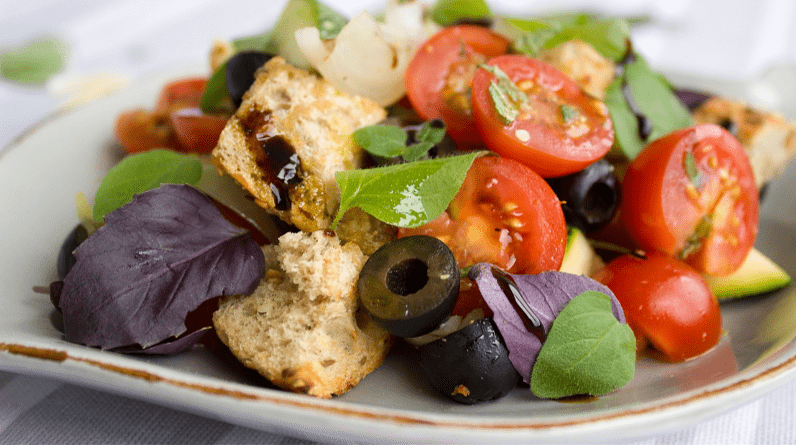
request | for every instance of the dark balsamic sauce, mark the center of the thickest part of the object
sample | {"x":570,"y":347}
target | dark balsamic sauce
{"x":274,"y":155}
{"x":644,"y":123}
{"x":512,"y":292}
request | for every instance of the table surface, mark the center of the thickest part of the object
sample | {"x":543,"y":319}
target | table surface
{"x":130,"y":39}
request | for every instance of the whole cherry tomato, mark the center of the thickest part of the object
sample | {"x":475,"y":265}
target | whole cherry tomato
{"x":504,"y":214}
{"x":692,"y":195}
{"x":440,"y":83}
{"x":667,"y":303}
{"x":529,"y":111}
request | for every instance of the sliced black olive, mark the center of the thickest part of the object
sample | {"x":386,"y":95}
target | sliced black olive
{"x":66,"y":257}
{"x":410,"y":285}
{"x":589,"y":197}
{"x":470,"y":365}
{"x":240,"y":70}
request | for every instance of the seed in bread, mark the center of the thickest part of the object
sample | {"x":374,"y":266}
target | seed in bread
{"x":769,"y":139}
{"x":289,"y":137}
{"x":302,"y":328}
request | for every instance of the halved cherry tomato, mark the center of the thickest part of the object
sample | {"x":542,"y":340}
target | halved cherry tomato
{"x":692,"y":195}
{"x":504,"y":214}
{"x":440,"y":83}
{"x":667,"y":303}
{"x":175,"y":123}
{"x":558,"y":130}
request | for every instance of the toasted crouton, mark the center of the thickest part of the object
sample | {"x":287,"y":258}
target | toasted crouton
{"x":769,"y":139}
{"x":302,"y":328}
{"x":583,"y":64}
{"x":289,"y":137}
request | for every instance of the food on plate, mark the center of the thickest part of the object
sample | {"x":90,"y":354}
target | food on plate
{"x":410,"y":285}
{"x":290,"y":135}
{"x":303,"y":327}
{"x":430,"y":221}
{"x":505,"y":214}
{"x":667,"y":303}
{"x":692,"y":195}
{"x":527,"y":110}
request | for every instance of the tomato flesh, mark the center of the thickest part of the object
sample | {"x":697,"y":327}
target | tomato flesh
{"x":440,"y":83}
{"x":667,"y":303}
{"x":559,"y":129}
{"x":692,"y":195}
{"x":175,"y":122}
{"x":504,"y":214}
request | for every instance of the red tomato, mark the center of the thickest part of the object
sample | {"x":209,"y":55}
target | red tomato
{"x":666,"y":302}
{"x":708,"y":217}
{"x":559,"y":129}
{"x":504,"y":214}
{"x":442,"y":71}
{"x":196,"y":131}
{"x":175,"y":122}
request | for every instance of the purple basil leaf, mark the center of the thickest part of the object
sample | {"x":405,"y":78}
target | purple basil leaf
{"x":169,"y":346}
{"x":545,"y":294}
{"x":155,"y":260}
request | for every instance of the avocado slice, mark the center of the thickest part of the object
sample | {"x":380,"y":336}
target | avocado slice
{"x":579,"y":256}
{"x":757,"y":275}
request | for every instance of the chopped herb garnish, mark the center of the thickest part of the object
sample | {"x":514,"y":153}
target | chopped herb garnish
{"x":691,"y":169}
{"x":695,"y":240}
{"x":507,"y":97}
{"x":568,"y":113}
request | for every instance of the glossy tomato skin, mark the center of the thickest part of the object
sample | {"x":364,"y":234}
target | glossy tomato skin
{"x":504,"y":214}
{"x":175,"y":122}
{"x":667,"y":303}
{"x":440,"y":83}
{"x":710,"y":218}
{"x":561,"y":129}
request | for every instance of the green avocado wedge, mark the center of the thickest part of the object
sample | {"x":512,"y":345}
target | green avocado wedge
{"x":757,"y":275}
{"x":579,"y":256}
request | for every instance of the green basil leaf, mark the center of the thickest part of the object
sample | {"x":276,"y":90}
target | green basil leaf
{"x":330,"y":22}
{"x":215,"y":90}
{"x":387,"y":141}
{"x":141,"y":172}
{"x":447,"y":12}
{"x":626,"y":131}
{"x":34,"y":63}
{"x":404,"y":195}
{"x":607,"y":36}
{"x":587,"y":351}
{"x":430,"y":133}
{"x":656,"y":100}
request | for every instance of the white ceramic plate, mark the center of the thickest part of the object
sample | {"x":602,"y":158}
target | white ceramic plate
{"x":41,"y":172}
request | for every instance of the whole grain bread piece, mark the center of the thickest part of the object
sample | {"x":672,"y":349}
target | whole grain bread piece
{"x":291,"y":111}
{"x":302,"y":328}
{"x":768,"y":138}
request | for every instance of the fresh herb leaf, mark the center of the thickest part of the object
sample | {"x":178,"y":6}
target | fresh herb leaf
{"x":387,"y":141}
{"x":141,"y":172}
{"x":447,"y":12}
{"x":330,"y":22}
{"x":588,"y":351}
{"x":655,"y":100}
{"x":545,"y":295}
{"x":568,"y":113}
{"x":34,"y":63}
{"x":258,"y":42}
{"x":215,"y":90}
{"x":506,"y":96}
{"x":607,"y":36}
{"x":695,"y":240}
{"x":431,"y":131}
{"x":404,"y":195}
{"x":691,"y":169}
{"x":155,"y":260}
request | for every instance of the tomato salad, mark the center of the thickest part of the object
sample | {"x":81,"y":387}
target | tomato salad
{"x":687,"y":206}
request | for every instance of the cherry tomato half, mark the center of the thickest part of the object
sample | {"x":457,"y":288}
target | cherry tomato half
{"x":558,"y":130}
{"x":692,"y":195}
{"x":667,"y":303}
{"x":175,"y":123}
{"x":442,"y":71}
{"x":504,"y":214}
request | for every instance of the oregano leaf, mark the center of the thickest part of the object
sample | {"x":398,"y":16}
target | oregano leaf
{"x":215,"y":90}
{"x":404,"y":195}
{"x":587,"y":351}
{"x":387,"y":141}
{"x":141,"y":172}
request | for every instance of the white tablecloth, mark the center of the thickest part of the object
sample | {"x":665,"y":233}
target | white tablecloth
{"x":729,"y":40}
